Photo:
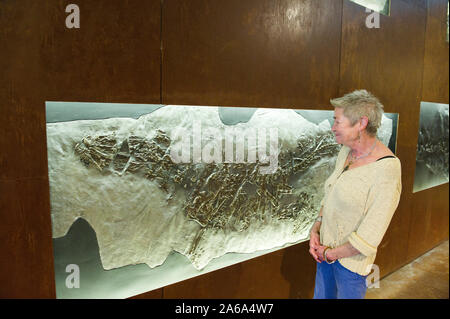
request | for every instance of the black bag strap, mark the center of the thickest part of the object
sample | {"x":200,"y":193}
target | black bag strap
{"x":388,"y":156}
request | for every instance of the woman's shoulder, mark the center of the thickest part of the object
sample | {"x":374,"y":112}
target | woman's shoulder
{"x":388,"y":169}
{"x":387,"y":162}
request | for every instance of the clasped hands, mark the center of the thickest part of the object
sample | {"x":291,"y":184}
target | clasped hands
{"x":316,"y":249}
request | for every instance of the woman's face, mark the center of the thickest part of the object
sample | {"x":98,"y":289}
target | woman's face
{"x":344,"y":132}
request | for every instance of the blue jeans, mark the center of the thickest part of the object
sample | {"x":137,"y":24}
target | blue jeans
{"x":337,"y":282}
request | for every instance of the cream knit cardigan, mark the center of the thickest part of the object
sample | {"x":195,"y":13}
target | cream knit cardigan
{"x":358,"y":206}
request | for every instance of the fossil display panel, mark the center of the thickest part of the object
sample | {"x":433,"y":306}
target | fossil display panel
{"x":143,"y":196}
{"x":432,"y":146}
{"x":381,"y":6}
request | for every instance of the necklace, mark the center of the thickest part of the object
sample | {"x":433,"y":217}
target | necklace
{"x":354,"y":159}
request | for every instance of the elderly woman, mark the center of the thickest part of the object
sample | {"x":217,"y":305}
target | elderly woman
{"x":361,"y":195}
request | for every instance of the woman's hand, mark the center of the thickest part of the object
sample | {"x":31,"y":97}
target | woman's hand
{"x":314,"y":244}
{"x":321,"y":249}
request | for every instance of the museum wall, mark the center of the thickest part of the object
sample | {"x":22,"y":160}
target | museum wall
{"x":259,"y":53}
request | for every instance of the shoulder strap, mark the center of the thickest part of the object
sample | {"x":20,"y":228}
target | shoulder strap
{"x":388,"y":156}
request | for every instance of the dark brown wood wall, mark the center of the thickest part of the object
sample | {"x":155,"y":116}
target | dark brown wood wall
{"x":262,"y":53}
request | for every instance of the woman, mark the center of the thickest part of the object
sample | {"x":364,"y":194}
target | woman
{"x":361,"y":195}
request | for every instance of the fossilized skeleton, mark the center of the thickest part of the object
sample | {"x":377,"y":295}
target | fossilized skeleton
{"x":219,"y":195}
{"x":432,"y":148}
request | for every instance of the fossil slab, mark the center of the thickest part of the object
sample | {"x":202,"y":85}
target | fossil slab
{"x":120,"y":175}
{"x":432,"y":146}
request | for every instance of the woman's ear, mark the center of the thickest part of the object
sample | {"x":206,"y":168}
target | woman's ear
{"x":363,"y":122}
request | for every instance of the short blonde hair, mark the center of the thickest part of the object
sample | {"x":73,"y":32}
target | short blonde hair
{"x":361,"y":103}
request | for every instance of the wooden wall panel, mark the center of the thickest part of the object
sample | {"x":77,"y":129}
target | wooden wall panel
{"x":251,"y":53}
{"x":244,"y":280}
{"x":430,"y":208}
{"x":113,"y":57}
{"x":26,"y":255}
{"x":435,"y":73}
{"x":388,"y":61}
{"x":153,"y":294}
{"x":26,"y":258}
{"x":22,"y":120}
{"x":419,"y":3}
{"x":299,"y":269}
